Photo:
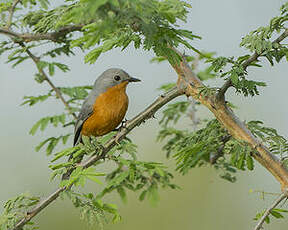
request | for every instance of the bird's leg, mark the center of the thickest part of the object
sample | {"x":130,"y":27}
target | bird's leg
{"x":122,"y":126}
{"x":123,"y":123}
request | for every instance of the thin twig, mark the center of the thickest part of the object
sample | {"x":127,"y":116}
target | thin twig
{"x":36,"y":60}
{"x":11,"y":13}
{"x":268,"y":210}
{"x":215,"y":156}
{"x":130,"y":125}
{"x":246,"y":63}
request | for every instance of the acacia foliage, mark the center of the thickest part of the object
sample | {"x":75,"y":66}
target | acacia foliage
{"x":97,"y":27}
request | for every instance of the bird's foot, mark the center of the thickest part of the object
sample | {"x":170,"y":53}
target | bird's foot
{"x":123,"y":124}
{"x":121,"y":127}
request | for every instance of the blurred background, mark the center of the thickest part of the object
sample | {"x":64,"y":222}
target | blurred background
{"x":205,"y":201}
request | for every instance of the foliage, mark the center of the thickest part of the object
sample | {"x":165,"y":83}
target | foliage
{"x":138,"y":176}
{"x":196,"y":149}
{"x":93,"y":210}
{"x":97,"y":27}
{"x":14,"y":210}
{"x":275,"y":212}
{"x":276,"y":143}
{"x":200,"y":148}
{"x":258,"y":41}
{"x":130,"y":174}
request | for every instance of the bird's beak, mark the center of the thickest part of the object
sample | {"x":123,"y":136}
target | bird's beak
{"x":133,"y":79}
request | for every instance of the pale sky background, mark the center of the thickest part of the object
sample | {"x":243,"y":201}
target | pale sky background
{"x":205,"y":201}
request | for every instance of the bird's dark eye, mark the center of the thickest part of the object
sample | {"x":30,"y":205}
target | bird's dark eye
{"x":117,"y":78}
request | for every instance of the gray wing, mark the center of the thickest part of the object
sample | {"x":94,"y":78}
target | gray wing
{"x":85,"y":113}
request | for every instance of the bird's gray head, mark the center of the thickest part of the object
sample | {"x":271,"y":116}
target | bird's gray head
{"x":112,"y":77}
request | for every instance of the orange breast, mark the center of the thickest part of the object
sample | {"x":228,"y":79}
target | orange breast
{"x":108,"y":111}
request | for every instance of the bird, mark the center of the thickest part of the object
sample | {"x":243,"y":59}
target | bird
{"x":105,"y":106}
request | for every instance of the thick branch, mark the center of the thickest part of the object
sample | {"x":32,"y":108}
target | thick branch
{"x":268,"y":210}
{"x":130,"y":125}
{"x":56,"y":90}
{"x":52,"y":36}
{"x":227,"y":118}
{"x":246,"y":63}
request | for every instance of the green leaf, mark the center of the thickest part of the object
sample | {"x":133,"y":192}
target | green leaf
{"x":35,"y":127}
{"x":122,"y":193}
{"x":234,"y":78}
{"x":93,"y":178}
{"x":249,"y":162}
{"x":66,"y":152}
{"x":118,"y":179}
{"x":51,"y":69}
{"x":142,"y":195}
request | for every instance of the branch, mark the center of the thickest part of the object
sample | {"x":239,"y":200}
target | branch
{"x":215,"y":156}
{"x":237,"y":129}
{"x":9,"y":33}
{"x":63,"y":31}
{"x":268,"y":210}
{"x":246,"y":63}
{"x":11,"y":13}
{"x":46,"y":78}
{"x":52,"y":36}
{"x":130,"y":125}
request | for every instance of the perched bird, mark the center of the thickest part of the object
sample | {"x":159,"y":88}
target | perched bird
{"x":106,"y":105}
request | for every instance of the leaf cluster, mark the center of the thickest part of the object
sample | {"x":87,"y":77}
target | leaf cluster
{"x":237,"y":74}
{"x":108,"y":24}
{"x":93,"y":210}
{"x":15,"y":209}
{"x":135,"y":175}
{"x":260,"y":43}
{"x":276,"y":143}
{"x":210,"y":145}
{"x":275,"y":212}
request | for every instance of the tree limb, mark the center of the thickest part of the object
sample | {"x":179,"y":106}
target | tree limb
{"x":268,"y":210}
{"x":246,"y":63}
{"x":130,"y":125}
{"x":9,"y":33}
{"x":192,"y":85}
{"x":52,"y":36}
